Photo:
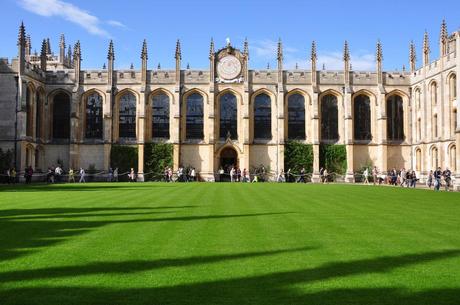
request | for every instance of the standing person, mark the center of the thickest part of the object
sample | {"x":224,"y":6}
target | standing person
{"x":71,"y":175}
{"x":321,"y":174}
{"x":429,"y":180}
{"x":409,"y":178}
{"x":82,"y":175}
{"x":193,"y":174}
{"x":238,"y":174}
{"x":281,"y":177}
{"x":375,"y":174}
{"x":232,"y":174}
{"x":437,"y":179}
{"x":302,"y":175}
{"x":110,"y":175}
{"x":414,"y":179}
{"x":132,"y":175}
{"x":366,"y":176}
{"x":289,"y":175}
{"x":221,"y":173}
{"x":29,"y":172}
{"x":58,"y":173}
{"x":13,"y":175}
{"x":170,"y":174}
{"x":115,"y":175}
{"x":447,"y":178}
{"x":325,"y":175}
{"x":402,"y":180}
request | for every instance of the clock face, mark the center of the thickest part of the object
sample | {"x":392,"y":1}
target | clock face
{"x":229,"y":67}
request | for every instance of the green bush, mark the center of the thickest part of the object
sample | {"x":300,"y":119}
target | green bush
{"x":298,"y":155}
{"x":124,"y":157}
{"x":333,"y":158}
{"x":157,"y":156}
{"x":6,"y":160}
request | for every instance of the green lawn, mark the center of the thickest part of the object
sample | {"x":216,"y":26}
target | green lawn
{"x":211,"y":243}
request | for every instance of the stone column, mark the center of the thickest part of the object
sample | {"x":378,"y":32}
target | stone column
{"x":74,"y":149}
{"x":140,"y":136}
{"x":348,"y":129}
{"x":315,"y":137}
{"x":382,"y":133}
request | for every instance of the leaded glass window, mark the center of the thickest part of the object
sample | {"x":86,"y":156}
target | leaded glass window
{"x":296,"y":117}
{"x":329,"y":118}
{"x":160,"y":116}
{"x":395,"y":118}
{"x":127,"y":116}
{"x":362,"y":118}
{"x":94,"y":116}
{"x":61,"y":116}
{"x":228,"y":116}
{"x":262,"y":117}
{"x":194,"y":117}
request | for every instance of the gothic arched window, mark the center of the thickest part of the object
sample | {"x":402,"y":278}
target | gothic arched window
{"x":262,"y":117}
{"x":194,"y":117}
{"x":160,"y":116}
{"x":434,"y":93}
{"x":395,"y":118}
{"x":38,"y":116}
{"x":93,"y":116}
{"x":30,"y":111}
{"x":296,"y":117}
{"x":362,"y":118}
{"x":329,"y":118}
{"x":61,"y":116}
{"x":127,"y":116}
{"x":228,"y":116}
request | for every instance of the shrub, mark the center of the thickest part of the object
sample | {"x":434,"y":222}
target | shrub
{"x":157,"y":156}
{"x":123,"y":157}
{"x":298,"y":155}
{"x":333,"y":158}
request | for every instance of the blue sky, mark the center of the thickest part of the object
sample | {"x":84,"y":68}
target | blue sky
{"x":297,"y":22}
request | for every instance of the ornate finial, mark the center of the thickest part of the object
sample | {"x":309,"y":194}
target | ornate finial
{"x":22,"y":34}
{"x":48,"y":46}
{"x":132,"y":66}
{"x":324,"y":66}
{"x":314,"y":56}
{"x":43,"y":50}
{"x":104,"y":67}
{"x":346,"y":52}
{"x":211,"y":49}
{"x":268,"y":66}
{"x":178,"y":54}
{"x":404,"y":68}
{"x":144,"y":54}
{"x":69,"y":52}
{"x":379,"y":54}
{"x":111,"y":53}
{"x":159,"y":66}
{"x":227,"y":42}
{"x":280,"y":50}
{"x":426,"y":43}
{"x":412,"y":52}
{"x":246,"y":48}
{"x":62,"y":41}
{"x":77,"y":50}
{"x":296,"y":66}
{"x":188,"y":66}
{"x":444,"y":33}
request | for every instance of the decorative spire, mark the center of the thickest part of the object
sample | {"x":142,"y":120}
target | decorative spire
{"x":444,"y":33}
{"x":324,"y":66}
{"x":144,"y":54}
{"x":28,"y":45}
{"x":280,"y":50}
{"x":379,"y":54}
{"x":246,"y":48}
{"x":426,"y":43}
{"x":43,"y":55}
{"x":22,"y":34}
{"x":211,"y":49}
{"x":346,"y":52}
{"x":268,"y":66}
{"x":69,"y":54}
{"x":159,"y":66}
{"x":48,"y":46}
{"x":132,"y":66}
{"x":314,"y":56}
{"x":188,"y":66}
{"x":111,"y":53}
{"x":62,"y":41}
{"x":104,"y":66}
{"x":296,"y":66}
{"x":77,"y":50}
{"x":178,"y":54}
{"x":412,"y":56}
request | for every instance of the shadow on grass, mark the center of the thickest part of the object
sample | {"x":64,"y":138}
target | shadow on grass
{"x":274,"y":288}
{"x":23,"y":231}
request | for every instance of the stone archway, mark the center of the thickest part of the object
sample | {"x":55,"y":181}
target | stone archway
{"x":228,"y":157}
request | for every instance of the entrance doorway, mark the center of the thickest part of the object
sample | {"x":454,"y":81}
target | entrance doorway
{"x":228,"y":159}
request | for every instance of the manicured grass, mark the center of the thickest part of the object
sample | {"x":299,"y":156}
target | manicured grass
{"x":204,"y":243}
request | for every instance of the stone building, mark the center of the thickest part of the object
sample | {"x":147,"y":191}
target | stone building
{"x":53,"y":110}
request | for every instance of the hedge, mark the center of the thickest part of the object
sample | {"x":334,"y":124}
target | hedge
{"x":157,"y":156}
{"x":123,"y":157}
{"x":298,"y":155}
{"x":333,"y":158}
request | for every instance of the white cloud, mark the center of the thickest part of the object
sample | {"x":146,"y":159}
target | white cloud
{"x":265,"y":50}
{"x":116,"y":23}
{"x":67,"y":11}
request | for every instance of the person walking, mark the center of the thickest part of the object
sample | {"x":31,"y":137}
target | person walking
{"x":13,"y":175}
{"x":82,"y":175}
{"x":437,"y":179}
{"x":110,"y":175}
{"x":132,"y":175}
{"x":429,"y":180}
{"x":366,"y":176}
{"x":115,"y":175}
{"x":71,"y":175}
{"x":193,"y":174}
{"x":302,"y":175}
{"x":326,"y":176}
{"x":58,"y":173}
{"x":447,"y":178}
{"x":281,"y":177}
{"x":375,"y":174}
{"x":232,"y":174}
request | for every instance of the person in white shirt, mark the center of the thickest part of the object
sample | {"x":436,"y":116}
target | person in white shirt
{"x":366,"y":176}
{"x":193,"y":174}
{"x":82,"y":175}
{"x":232,"y":174}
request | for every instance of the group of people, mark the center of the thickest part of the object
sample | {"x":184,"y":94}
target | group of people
{"x":56,"y":175}
{"x":439,"y":177}
{"x":183,"y":174}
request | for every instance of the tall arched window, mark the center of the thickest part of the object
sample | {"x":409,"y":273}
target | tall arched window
{"x":93,"y":116}
{"x":395,"y":118}
{"x":435,"y":126}
{"x":453,"y":87}
{"x":362,"y":118}
{"x":38,"y":116}
{"x":160,"y":116}
{"x":228,"y":116}
{"x":434,"y":158}
{"x":453,"y":158}
{"x":417,"y":98}
{"x":329,"y":118}
{"x":61,"y":116}
{"x":296,"y":117}
{"x":418,"y":160}
{"x":30,"y":112}
{"x":454,"y":122}
{"x":194,"y":117}
{"x":419,"y":129}
{"x":127,"y":116}
{"x":262,"y":117}
{"x":434,"y":93}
